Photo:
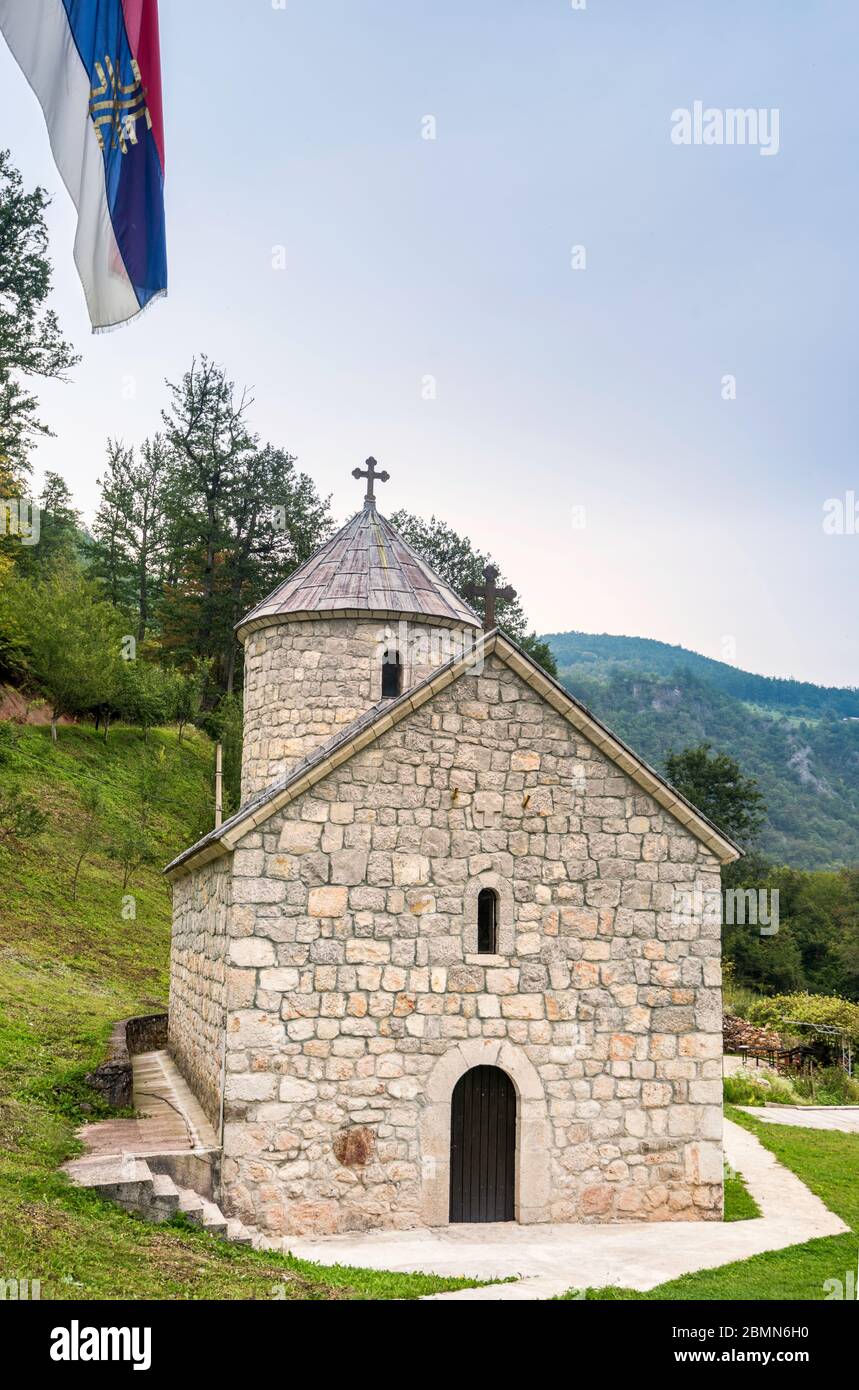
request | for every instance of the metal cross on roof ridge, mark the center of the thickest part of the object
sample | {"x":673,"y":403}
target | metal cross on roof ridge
{"x":489,"y":594}
{"x":369,"y":472}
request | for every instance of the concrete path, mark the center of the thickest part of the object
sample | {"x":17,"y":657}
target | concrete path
{"x":169,"y":1118}
{"x":843,"y":1117}
{"x":550,"y":1259}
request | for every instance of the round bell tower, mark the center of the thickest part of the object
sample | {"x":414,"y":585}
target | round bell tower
{"x":361,"y":621}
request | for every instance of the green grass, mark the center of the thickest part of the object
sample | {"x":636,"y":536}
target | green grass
{"x":828,"y":1163}
{"x":68,"y":971}
{"x":740,"y":1205}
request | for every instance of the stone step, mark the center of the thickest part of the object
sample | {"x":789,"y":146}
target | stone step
{"x":165,"y":1197}
{"x":201,"y":1212}
{"x":119,"y":1178}
{"x":131,"y":1183}
{"x":107,"y":1170}
{"x":191,"y":1204}
{"x":214,"y":1220}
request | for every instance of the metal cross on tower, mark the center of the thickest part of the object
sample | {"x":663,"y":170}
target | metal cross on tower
{"x":489,"y":594}
{"x":371,"y":475}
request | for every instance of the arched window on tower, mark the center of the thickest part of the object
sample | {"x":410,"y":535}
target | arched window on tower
{"x":487,"y":921}
{"x":392,"y":675}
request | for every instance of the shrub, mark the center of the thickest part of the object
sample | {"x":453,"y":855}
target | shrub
{"x":826,"y":1009}
{"x":828,"y":1086}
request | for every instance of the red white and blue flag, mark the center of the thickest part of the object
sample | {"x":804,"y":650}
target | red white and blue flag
{"x":96,"y":70}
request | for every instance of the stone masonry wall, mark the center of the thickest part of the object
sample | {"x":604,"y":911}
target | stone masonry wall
{"x":354,"y":993}
{"x":198,"y":980}
{"x":305,"y":680}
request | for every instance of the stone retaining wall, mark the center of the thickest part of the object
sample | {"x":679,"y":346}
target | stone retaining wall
{"x":114,"y":1078}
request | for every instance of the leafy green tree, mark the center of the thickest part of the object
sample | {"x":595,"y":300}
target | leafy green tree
{"x":847,"y":918}
{"x":31,"y":344}
{"x":70,"y":638}
{"x":239,"y":518}
{"x":210,"y":441}
{"x":715,"y":783}
{"x":21,"y":817}
{"x":769,"y":964}
{"x":277,"y":521}
{"x":60,"y":535}
{"x":129,"y":527}
{"x":12,"y":644}
{"x":456,"y":559}
{"x":144,"y":695}
{"x":132,"y":848}
{"x":188,"y":695}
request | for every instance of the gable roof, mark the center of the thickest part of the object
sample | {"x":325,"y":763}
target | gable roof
{"x":366,"y":570}
{"x":369,"y":727}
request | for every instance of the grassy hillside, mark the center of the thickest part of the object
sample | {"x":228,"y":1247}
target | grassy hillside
{"x":68,"y":970}
{"x":800,"y":741}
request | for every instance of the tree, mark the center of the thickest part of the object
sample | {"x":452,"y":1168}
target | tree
{"x":59,"y":531}
{"x":70,"y":640}
{"x":209,"y":440}
{"x":277,"y":521}
{"x":13,"y":658}
{"x":187,"y":700}
{"x":31,"y":344}
{"x":144,"y":695}
{"x":129,"y":527}
{"x":715,"y":784}
{"x":847,"y":917}
{"x":239,"y":518}
{"x":455,"y":558}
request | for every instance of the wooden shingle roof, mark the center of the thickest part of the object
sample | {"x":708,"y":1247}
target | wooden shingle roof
{"x":366,"y":570}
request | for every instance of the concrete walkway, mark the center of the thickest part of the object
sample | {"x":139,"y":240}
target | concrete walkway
{"x":550,"y":1259}
{"x":169,"y":1117}
{"x":843,"y":1117}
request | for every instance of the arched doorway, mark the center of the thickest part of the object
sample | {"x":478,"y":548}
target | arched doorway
{"x":483,"y":1146}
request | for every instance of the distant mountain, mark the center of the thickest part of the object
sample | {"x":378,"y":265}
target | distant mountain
{"x":801,"y":741}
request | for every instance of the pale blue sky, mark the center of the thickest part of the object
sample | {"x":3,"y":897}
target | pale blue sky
{"x":555,"y":388}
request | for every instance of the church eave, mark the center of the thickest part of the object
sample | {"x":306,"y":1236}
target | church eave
{"x":244,"y":628}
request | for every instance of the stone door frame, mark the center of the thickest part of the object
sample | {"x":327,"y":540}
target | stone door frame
{"x":532,"y":1128}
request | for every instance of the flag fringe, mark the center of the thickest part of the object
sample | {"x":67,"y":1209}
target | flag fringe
{"x":132,"y":318}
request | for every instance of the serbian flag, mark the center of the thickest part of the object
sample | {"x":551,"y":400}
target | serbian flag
{"x":96,"y":69}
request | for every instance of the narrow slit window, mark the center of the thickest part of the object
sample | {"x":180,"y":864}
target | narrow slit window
{"x":392,"y":675}
{"x":487,"y":921}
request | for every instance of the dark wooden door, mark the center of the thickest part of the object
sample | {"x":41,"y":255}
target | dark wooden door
{"x":483,"y":1146}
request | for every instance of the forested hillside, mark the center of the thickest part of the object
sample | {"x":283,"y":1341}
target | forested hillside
{"x":799,"y":740}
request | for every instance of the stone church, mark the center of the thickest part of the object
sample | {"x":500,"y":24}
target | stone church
{"x":433,"y":969}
